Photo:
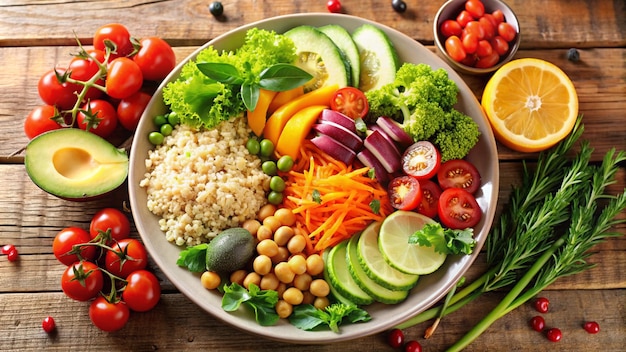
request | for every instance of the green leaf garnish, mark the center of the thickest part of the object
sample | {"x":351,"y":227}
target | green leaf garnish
{"x":444,"y":241}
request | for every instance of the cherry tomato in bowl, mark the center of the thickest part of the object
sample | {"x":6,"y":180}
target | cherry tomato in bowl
{"x":430,"y":198}
{"x":421,"y":160}
{"x":350,"y":101}
{"x":405,"y":193}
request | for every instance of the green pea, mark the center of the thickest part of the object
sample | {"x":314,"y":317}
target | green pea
{"x":253,"y":146}
{"x":275,"y":197}
{"x":160,"y":120}
{"x":269,"y":167}
{"x":156,"y":138}
{"x":173,"y":119}
{"x":277,"y":184}
{"x":166,"y":129}
{"x":267,"y":147}
{"x":285,"y":163}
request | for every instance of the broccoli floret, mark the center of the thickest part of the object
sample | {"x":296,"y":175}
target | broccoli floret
{"x":422,"y":101}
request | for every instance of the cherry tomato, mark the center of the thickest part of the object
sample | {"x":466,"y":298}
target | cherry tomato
{"x":421,"y":160}
{"x":85,"y":69}
{"x":64,"y":242}
{"x":554,"y":334}
{"x":129,"y":255}
{"x":110,"y":219}
{"x":454,"y":48}
{"x":450,"y":28}
{"x":498,"y":15}
{"x":484,"y":48}
{"x":492,"y":20}
{"x":333,"y":6}
{"x":124,"y":78}
{"x":142,"y":291}
{"x":458,"y":209}
{"x":537,"y":323}
{"x":155,"y":58}
{"x":476,"y":28}
{"x":108,"y":316}
{"x":115,"y":33}
{"x":350,"y":101}
{"x":475,"y":8}
{"x":52,"y":92}
{"x":542,"y":304}
{"x":470,"y":42}
{"x":488,"y":27}
{"x":487,"y":61}
{"x":591,"y":327}
{"x":130,"y":109}
{"x":82,"y":281}
{"x":48,"y":325}
{"x":464,"y":18}
{"x":405,"y":193}
{"x":430,"y":198}
{"x":40,"y":120}
{"x":105,"y":120}
{"x":459,"y":173}
{"x":413,"y":346}
{"x":395,"y":338}
{"x":499,"y":45}
{"x":507,"y":31}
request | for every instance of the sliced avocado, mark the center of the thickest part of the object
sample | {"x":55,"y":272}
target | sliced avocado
{"x":230,"y":250}
{"x":319,"y":56}
{"x":74,"y":164}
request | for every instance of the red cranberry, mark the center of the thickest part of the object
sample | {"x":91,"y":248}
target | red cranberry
{"x":537,"y":323}
{"x":48,"y":324}
{"x":554,"y":334}
{"x":541,"y":304}
{"x":412,"y":346}
{"x":7,"y":248}
{"x":395,"y":338}
{"x":592,"y":327}
{"x":13,"y":255}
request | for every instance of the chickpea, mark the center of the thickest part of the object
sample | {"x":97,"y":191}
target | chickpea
{"x":308,"y":298}
{"x":281,"y":289}
{"x":302,"y":281}
{"x":321,"y":302}
{"x":264,"y":233}
{"x":269,"y":282}
{"x":283,"y":234}
{"x":210,"y":280}
{"x":262,"y":264}
{"x":238,"y":276}
{"x":271,"y":222}
{"x":297,"y":263}
{"x":265,"y":211}
{"x":296,"y":244}
{"x":285,"y":216}
{"x":293,"y":296}
{"x":319,"y":288}
{"x":267,"y":247}
{"x":314,"y":264}
{"x":283,"y":273}
{"x":251,"y":278}
{"x":282,"y":256}
{"x":283,"y":309}
{"x":252,"y":225}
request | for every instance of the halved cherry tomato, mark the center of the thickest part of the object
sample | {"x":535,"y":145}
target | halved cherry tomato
{"x":458,"y":209}
{"x":430,"y":198}
{"x":350,"y":101}
{"x":405,"y":193}
{"x":421,"y":160}
{"x":459,"y":173}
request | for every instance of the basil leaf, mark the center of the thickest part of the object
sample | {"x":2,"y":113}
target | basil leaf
{"x":281,"y":77}
{"x":221,"y":72}
{"x":250,"y":95}
{"x":194,"y":258}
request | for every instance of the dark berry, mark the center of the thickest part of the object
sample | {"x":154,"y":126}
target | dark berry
{"x":537,"y":323}
{"x":48,"y":324}
{"x":554,"y":334}
{"x":395,"y":338}
{"x":216,"y":8}
{"x":333,"y":6}
{"x":573,"y":55}
{"x":13,"y":255}
{"x":398,"y":5}
{"x":541,"y":304}
{"x":592,"y":327}
{"x":413,"y":346}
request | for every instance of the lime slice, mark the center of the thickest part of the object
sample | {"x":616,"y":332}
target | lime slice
{"x":408,"y":258}
{"x":375,"y":265}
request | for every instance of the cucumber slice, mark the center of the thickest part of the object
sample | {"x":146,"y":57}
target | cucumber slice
{"x":333,"y":291}
{"x":319,"y":56}
{"x":379,"y":59}
{"x":374,"y":263}
{"x":341,"y":279}
{"x":376,"y":291}
{"x":342,"y":38}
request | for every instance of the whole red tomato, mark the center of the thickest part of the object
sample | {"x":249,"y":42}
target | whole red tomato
{"x":156,"y":58}
{"x":110,"y":219}
{"x":84,"y":69}
{"x":53,"y":92}
{"x":115,"y":33}
{"x":64,"y":242}
{"x":128,"y":255}
{"x":82,"y":281}
{"x":108,"y":316}
{"x":142,"y":291}
{"x":105,"y":120}
{"x":124,"y":78}
{"x":40,"y":120}
{"x":129,"y":110}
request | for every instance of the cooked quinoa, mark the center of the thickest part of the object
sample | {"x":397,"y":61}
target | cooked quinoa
{"x":202,"y":182}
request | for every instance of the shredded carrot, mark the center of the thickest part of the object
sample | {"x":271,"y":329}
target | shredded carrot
{"x":332,"y":201}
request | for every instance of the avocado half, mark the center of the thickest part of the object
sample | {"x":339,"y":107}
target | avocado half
{"x":74,"y":164}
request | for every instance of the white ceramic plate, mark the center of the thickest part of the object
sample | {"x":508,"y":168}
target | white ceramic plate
{"x":430,"y":289}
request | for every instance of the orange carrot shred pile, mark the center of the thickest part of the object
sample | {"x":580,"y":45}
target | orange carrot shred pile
{"x":332,"y":201}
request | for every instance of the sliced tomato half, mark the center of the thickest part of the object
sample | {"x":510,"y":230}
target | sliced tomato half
{"x":421,"y":160}
{"x":430,"y":198}
{"x":459,"y":173}
{"x":458,"y":209}
{"x":405,"y":193}
{"x":350,"y":101}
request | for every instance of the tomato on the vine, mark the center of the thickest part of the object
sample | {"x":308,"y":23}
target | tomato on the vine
{"x":142,"y":291}
{"x":124,"y":78}
{"x":112,"y":220}
{"x":405,"y":193}
{"x":64,"y":242}
{"x":117,"y":34}
{"x":40,"y":120}
{"x":82,"y":281}
{"x":421,"y":160}
{"x":84,"y":69}
{"x":350,"y":101}
{"x":458,"y":209}
{"x":155,"y":58}
{"x":459,"y":173}
{"x":53,"y":92}
{"x":108,"y":316}
{"x":430,"y":198}
{"x":129,"y":109}
{"x":103,"y":120}
{"x":129,"y":255}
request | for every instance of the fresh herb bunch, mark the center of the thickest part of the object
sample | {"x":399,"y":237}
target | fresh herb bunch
{"x":551,"y":222}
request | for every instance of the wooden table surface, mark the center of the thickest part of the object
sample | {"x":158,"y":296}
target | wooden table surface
{"x":36,"y":35}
